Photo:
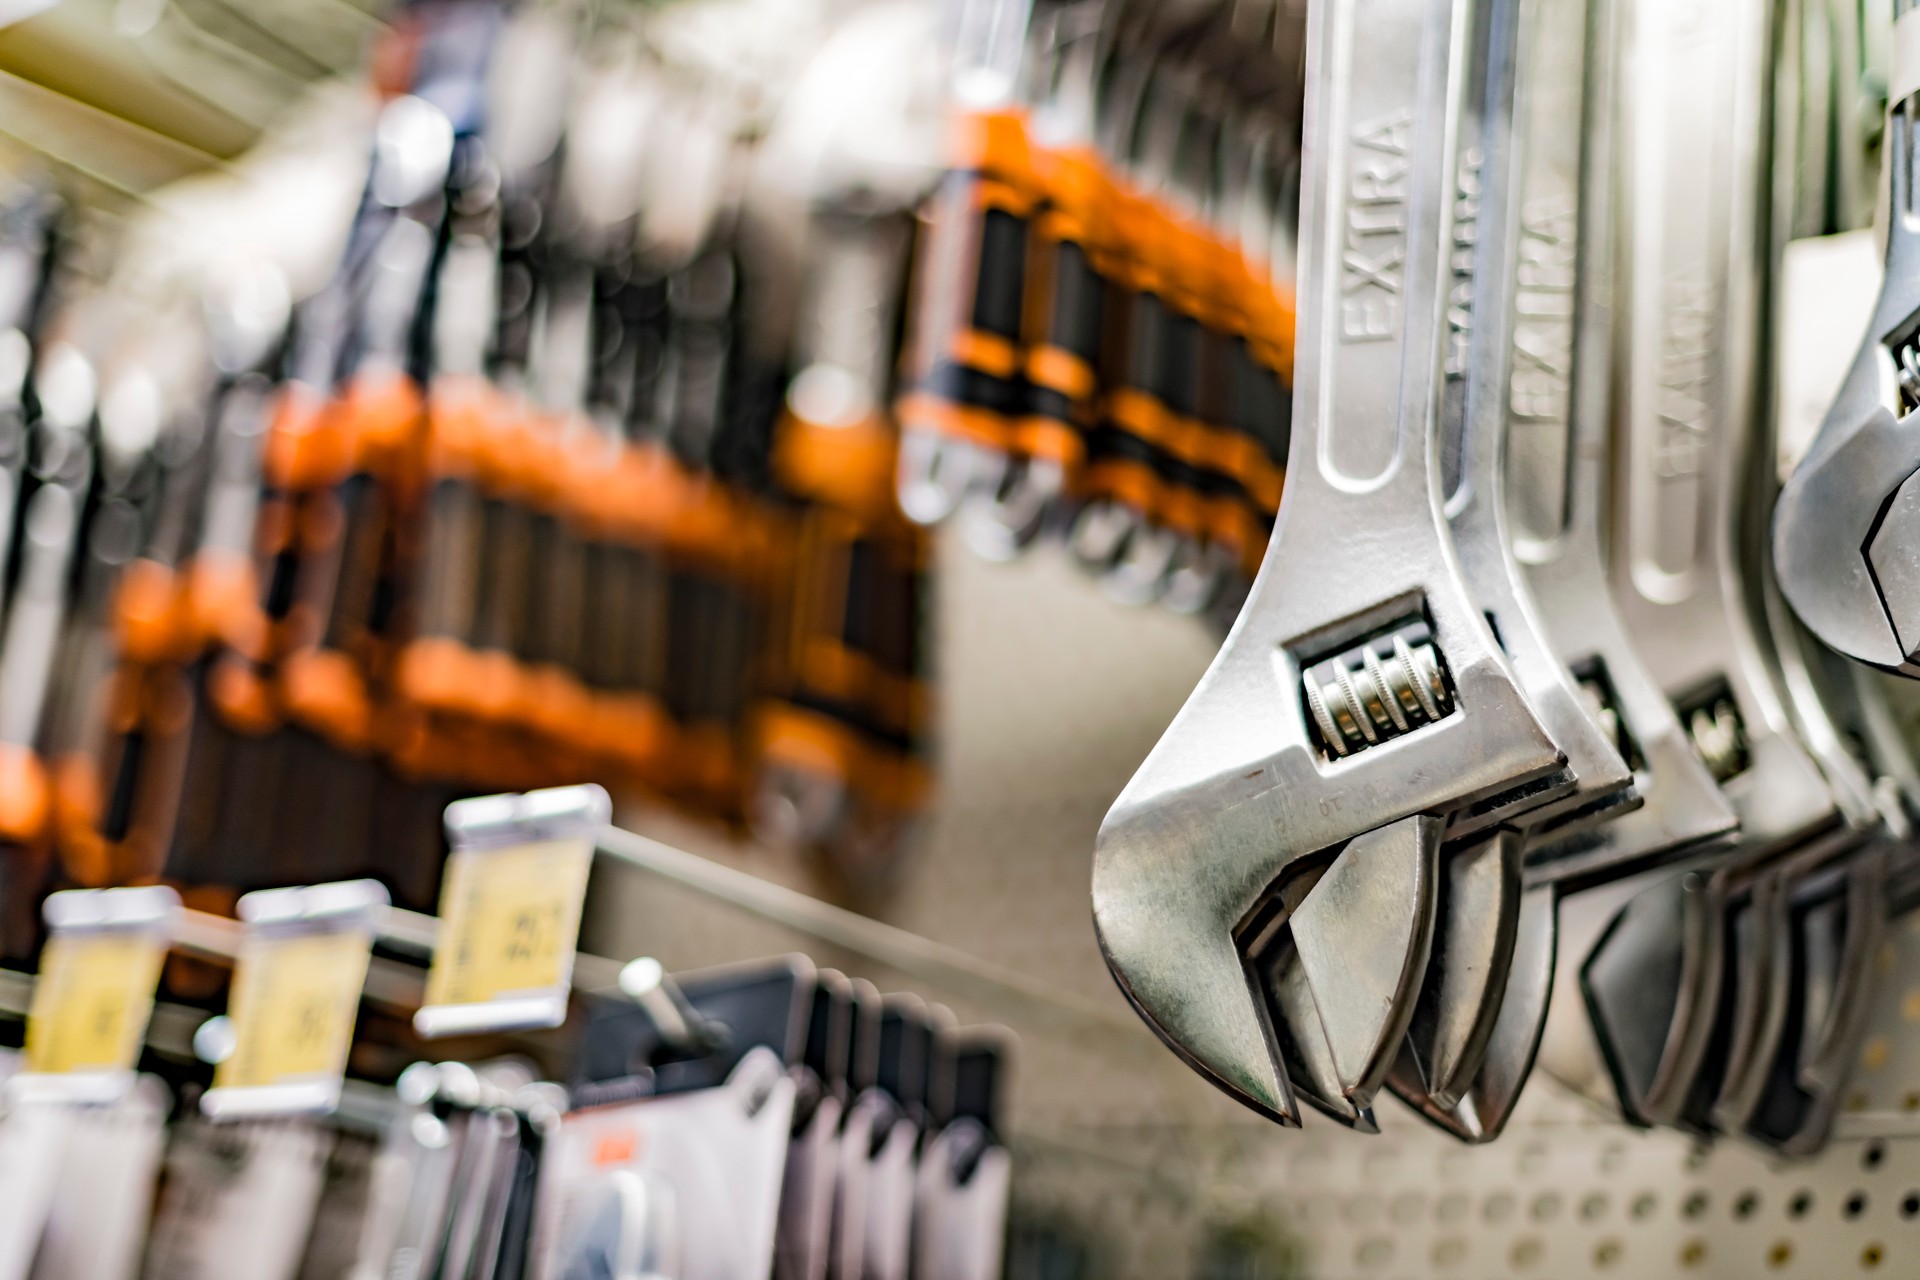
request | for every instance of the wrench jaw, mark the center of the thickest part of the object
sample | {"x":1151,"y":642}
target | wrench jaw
{"x":1482,"y":1112}
{"x":1637,"y":983}
{"x":1465,"y":990}
{"x":1834,"y":937}
{"x":1330,"y":990}
{"x":1202,"y":842}
{"x":1750,"y":1015}
{"x":1846,"y":546}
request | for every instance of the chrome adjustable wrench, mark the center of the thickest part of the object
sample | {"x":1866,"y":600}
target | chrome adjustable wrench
{"x":1846,"y":529}
{"x":1553,"y":414}
{"x":1480,"y":889}
{"x":1293,"y":812}
{"x":1688,"y":295}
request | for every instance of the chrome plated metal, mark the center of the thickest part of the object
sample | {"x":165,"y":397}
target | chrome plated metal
{"x":1846,"y":531}
{"x":1198,"y":860}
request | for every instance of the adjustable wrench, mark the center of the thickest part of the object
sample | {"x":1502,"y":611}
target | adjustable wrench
{"x":1557,"y":409}
{"x":1846,"y":526}
{"x":1692,"y":258}
{"x":1480,"y":889}
{"x":1302,"y":750}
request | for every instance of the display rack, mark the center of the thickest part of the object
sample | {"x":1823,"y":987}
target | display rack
{"x":1131,"y":1166}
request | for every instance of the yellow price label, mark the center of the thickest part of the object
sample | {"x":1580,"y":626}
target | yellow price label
{"x":510,"y":919}
{"x":295,"y":998}
{"x":92,"y":1001}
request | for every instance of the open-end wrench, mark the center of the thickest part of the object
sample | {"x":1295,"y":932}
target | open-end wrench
{"x":1846,"y":530}
{"x":1361,"y":697}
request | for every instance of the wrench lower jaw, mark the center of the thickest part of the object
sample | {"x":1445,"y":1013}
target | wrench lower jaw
{"x":1364,"y":936}
{"x":1466,"y":979}
{"x":1459,"y":1119}
{"x":1841,"y":538}
{"x":1637,"y":984}
{"x":1187,"y":947}
{"x":1482,"y":1112}
{"x":1754,"y":991}
{"x":1301,"y":1044}
{"x":1824,"y":1020}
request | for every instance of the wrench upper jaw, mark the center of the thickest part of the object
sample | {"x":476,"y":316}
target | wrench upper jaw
{"x":1846,"y":545}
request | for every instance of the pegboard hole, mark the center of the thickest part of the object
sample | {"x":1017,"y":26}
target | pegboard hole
{"x":1801,"y":1204}
{"x":1694,"y":1206}
{"x":1452,"y":1208}
{"x":1450,"y":1252}
{"x":1606,"y":1253}
{"x":1856,"y":1204}
{"x":1546,"y":1207}
{"x":1594,"y":1207}
{"x":1911,"y":1205}
{"x":1874,"y":1155}
{"x":1376,"y":1251}
{"x":1781,"y":1254}
{"x":1912,"y":1101}
{"x":1499,"y":1207}
{"x":1526,"y":1253}
{"x":1746,"y":1204}
{"x":1693,"y":1253}
{"x":1872,"y":1256}
{"x":1644,"y":1204}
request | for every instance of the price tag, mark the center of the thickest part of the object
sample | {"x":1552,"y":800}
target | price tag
{"x":510,"y":911}
{"x":94,"y":995}
{"x":296,"y":995}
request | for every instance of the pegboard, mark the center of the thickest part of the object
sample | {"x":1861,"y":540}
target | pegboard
{"x":1129,"y":1164}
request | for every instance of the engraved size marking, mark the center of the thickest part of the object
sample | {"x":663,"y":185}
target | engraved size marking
{"x":1685,"y":375}
{"x":1376,"y":230}
{"x":1466,"y":238}
{"x":1543,"y":302}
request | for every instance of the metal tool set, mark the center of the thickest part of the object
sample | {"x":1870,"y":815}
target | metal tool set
{"x":1548,"y":685}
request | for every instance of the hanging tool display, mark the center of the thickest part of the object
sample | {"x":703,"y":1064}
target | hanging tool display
{"x":1517,"y":709}
{"x":1099,"y":342}
{"x":1429,"y":342}
{"x":511,"y":496}
{"x":767,"y":1118}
